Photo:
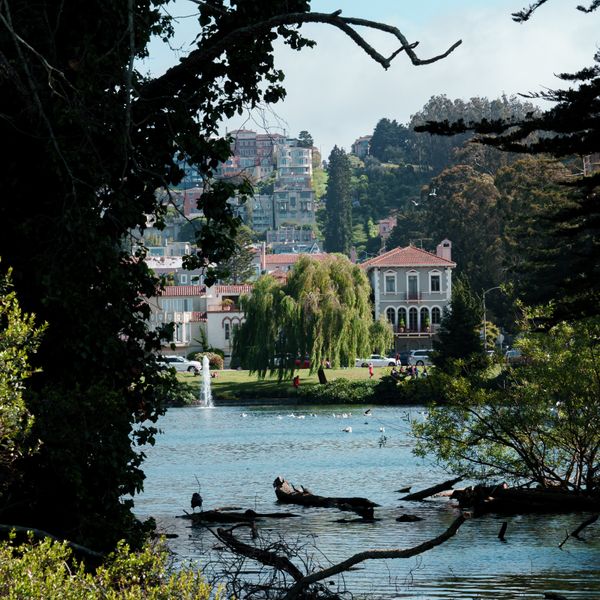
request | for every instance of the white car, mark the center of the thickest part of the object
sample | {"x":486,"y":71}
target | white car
{"x":377,"y":360}
{"x":420,"y":358}
{"x":180,"y":363}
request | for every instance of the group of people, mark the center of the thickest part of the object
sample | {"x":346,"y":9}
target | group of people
{"x":411,"y":371}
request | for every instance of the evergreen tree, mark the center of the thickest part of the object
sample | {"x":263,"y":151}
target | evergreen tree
{"x":459,"y":347}
{"x":239,"y":268}
{"x":569,"y":264}
{"x":338,"y":224}
{"x":305,"y":140}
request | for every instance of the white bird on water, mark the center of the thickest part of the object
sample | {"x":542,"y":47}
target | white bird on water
{"x":347,"y":429}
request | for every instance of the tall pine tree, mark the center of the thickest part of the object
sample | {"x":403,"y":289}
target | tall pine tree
{"x":459,"y":346}
{"x":338,"y":222}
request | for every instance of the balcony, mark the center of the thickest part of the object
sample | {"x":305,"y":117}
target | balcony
{"x":412,"y":296}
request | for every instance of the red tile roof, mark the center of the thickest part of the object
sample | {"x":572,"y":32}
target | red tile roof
{"x":407,"y":257}
{"x":290,"y":258}
{"x":183,"y":290}
{"x":233,"y":289}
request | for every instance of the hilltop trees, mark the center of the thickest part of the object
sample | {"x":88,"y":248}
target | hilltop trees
{"x":323,"y":310}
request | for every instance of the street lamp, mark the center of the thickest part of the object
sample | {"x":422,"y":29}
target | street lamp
{"x":497,"y":287}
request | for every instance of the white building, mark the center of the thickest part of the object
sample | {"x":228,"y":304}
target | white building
{"x":199,"y":313}
{"x":411,"y":288}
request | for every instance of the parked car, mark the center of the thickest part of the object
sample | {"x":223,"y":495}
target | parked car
{"x":514,"y":356}
{"x":180,"y":363}
{"x":420,"y":358}
{"x":377,"y":360}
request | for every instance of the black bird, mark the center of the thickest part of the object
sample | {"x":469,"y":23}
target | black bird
{"x":196,"y":500}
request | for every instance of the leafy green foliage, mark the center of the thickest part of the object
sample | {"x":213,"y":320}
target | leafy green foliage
{"x":47,"y":570}
{"x":19,"y":339}
{"x":323,"y":310}
{"x":540,"y":428}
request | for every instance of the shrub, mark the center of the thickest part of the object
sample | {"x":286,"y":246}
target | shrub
{"x":215,"y":361}
{"x":39,"y":571}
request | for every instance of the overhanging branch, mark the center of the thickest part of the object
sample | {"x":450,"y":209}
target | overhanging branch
{"x":209,"y":50}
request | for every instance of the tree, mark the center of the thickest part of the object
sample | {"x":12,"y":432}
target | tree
{"x":323,"y":310}
{"x":101,"y":138}
{"x":338,"y":224}
{"x":305,"y":140}
{"x":459,"y":347}
{"x":239,"y":268}
{"x":541,"y":428}
{"x":570,"y":128}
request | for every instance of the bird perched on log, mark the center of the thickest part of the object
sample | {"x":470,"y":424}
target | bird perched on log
{"x":196,"y":501}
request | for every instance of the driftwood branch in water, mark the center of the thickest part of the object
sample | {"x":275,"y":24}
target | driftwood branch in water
{"x":303,"y":583}
{"x":502,"y":531}
{"x":265,"y":557}
{"x":289,"y":494}
{"x":436,"y":489}
{"x":575,"y":533}
{"x":40,"y":535}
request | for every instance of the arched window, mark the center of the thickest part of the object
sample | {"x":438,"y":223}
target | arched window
{"x":390,"y":314}
{"x":402,"y":321}
{"x":413,"y":319}
{"x":425,"y":320}
{"x":436,"y":316}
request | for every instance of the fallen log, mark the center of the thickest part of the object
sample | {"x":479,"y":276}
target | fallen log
{"x":222,"y":516}
{"x":288,"y":494}
{"x":504,"y":500}
{"x":436,"y":489}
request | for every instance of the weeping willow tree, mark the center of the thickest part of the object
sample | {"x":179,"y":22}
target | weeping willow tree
{"x":323,"y":311}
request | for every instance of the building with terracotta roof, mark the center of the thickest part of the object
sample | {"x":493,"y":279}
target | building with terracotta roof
{"x":411,"y":288}
{"x":199,"y":313}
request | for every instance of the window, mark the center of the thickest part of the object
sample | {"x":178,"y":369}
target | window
{"x":183,"y":278}
{"x":436,"y":316}
{"x":227,"y":331}
{"x":390,"y":284}
{"x":413,"y":287}
{"x":435,"y":282}
{"x":390,"y":314}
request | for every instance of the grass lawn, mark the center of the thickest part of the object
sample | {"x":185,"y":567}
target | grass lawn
{"x":238,"y":383}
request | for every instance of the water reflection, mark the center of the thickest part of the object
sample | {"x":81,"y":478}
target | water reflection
{"x":236,"y":458}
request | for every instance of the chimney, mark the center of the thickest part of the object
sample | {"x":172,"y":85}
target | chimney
{"x":444,"y":249}
{"x":353,"y":256}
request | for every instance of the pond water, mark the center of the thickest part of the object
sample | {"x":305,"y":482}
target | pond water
{"x":235,"y":453}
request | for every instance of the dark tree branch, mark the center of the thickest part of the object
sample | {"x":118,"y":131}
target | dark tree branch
{"x":372,"y":555}
{"x":211,"y":49}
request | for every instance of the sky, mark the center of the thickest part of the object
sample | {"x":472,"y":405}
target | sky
{"x":338,"y":93}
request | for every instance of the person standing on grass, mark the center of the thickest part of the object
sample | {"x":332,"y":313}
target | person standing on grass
{"x":370,"y":370}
